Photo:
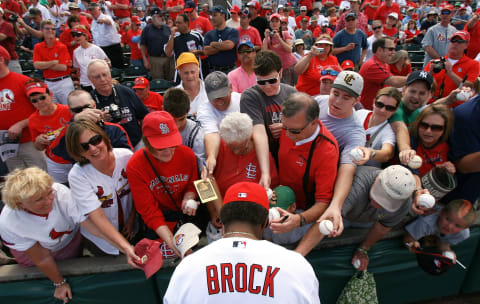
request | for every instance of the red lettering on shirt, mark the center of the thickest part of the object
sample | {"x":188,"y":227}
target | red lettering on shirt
{"x":251,"y":280}
{"x":212,"y":279}
{"x":268,"y":284}
{"x":241,"y":283}
{"x":227,"y":274}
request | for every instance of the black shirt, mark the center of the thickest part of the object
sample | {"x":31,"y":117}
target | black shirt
{"x":155,"y":38}
{"x":260,"y":24}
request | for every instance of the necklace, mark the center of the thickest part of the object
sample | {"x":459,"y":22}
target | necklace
{"x":239,"y":232}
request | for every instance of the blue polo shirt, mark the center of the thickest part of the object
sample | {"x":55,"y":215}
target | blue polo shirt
{"x":222,"y":58}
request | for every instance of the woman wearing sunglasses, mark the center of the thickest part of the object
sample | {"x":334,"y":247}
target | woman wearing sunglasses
{"x":84,"y":53}
{"x":310,"y":66}
{"x":380,"y":138}
{"x":429,"y":137}
{"x":100,"y":188}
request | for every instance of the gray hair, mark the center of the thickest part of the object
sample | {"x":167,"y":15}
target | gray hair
{"x":236,"y":127}
{"x":96,"y":60}
{"x":297,"y":102}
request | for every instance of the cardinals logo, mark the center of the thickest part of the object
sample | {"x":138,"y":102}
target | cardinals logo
{"x":106,"y":201}
{"x":124,"y":173}
{"x":58,"y":235}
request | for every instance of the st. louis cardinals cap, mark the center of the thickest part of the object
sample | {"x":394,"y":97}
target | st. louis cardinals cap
{"x":161,"y":131}
{"x":247,"y":192}
{"x":151,"y":259}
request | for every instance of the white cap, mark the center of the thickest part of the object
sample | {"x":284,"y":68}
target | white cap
{"x":350,"y":82}
{"x":394,"y":15}
{"x":186,"y":237}
{"x":303,"y":8}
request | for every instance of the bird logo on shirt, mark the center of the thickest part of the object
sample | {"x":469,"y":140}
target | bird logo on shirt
{"x":58,"y":235}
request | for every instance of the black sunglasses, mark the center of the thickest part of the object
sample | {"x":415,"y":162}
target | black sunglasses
{"x":389,"y":48}
{"x":80,"y":109}
{"x":94,"y":141}
{"x":434,"y":128}
{"x":296,"y":131}
{"x":458,"y":41}
{"x":246,"y":51}
{"x":381,"y":105}
{"x":377,"y":27}
{"x":262,"y":82}
{"x":75,"y":34}
{"x":35,"y":100}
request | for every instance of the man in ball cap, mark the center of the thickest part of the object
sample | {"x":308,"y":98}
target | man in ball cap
{"x":273,"y":273}
{"x":197,"y":23}
{"x":301,"y":16}
{"x":350,"y":43}
{"x":152,"y":100}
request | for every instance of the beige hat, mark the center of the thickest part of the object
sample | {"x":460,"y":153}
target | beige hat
{"x":350,"y":82}
{"x":186,"y":237}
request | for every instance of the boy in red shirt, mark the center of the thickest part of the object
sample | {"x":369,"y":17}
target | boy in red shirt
{"x":152,"y":100}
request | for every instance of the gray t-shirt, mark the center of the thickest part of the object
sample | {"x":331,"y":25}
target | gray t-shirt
{"x":349,"y":131}
{"x":358,"y":207}
{"x":192,"y":137}
{"x":438,"y":37}
{"x":427,"y":225}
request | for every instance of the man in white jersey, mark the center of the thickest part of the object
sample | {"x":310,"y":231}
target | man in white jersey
{"x":269,"y":273}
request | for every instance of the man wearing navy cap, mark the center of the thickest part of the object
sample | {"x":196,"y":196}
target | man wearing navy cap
{"x":244,"y":77}
{"x":219,"y":43}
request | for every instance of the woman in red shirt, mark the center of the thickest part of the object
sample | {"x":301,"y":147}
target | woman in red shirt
{"x":309,"y":67}
{"x":411,"y":32}
{"x":399,"y":64}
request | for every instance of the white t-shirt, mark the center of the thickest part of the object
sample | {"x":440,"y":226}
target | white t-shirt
{"x":385,"y":136}
{"x":201,"y":98}
{"x":211,"y":117}
{"x":92,"y":189}
{"x":20,"y":230}
{"x":81,"y":58}
{"x":269,"y":274}
{"x":104,"y":34}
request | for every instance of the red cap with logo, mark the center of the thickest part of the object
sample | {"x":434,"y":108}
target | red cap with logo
{"x":235,"y":9}
{"x":462,"y":34}
{"x":35,"y":87}
{"x":141,"y":83}
{"x":136,"y":20}
{"x":151,"y":259}
{"x":161,"y":131}
{"x":247,"y":192}
{"x":347,"y":64}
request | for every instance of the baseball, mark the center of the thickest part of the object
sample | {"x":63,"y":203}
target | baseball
{"x":415,"y":162}
{"x":325,"y":227}
{"x":426,"y":201}
{"x":356,"y":154}
{"x":448,"y":254}
{"x":191,"y":204}
{"x":273,"y":214}
{"x":356,"y":263}
{"x":269,"y":193}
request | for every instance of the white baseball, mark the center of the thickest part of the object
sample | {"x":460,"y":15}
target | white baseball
{"x":448,"y":254}
{"x":325,"y":227}
{"x":191,"y":204}
{"x":426,"y":201}
{"x":269,"y":193}
{"x":273,"y":214}
{"x":356,"y":154}
{"x":415,"y":162}
{"x":356,"y":263}
{"x":463,"y":96}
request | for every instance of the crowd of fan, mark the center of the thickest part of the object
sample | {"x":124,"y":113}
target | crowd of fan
{"x":261,"y":95}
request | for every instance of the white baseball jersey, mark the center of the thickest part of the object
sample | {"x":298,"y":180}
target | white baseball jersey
{"x":20,"y":229}
{"x":92,"y":189}
{"x":242,"y":270}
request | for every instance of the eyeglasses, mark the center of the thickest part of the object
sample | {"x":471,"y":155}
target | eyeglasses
{"x":350,"y":19}
{"x":445,"y":12}
{"x":381,"y":105}
{"x":94,"y":141}
{"x":426,"y":126}
{"x":246,"y":51}
{"x":49,"y":28}
{"x":35,"y":100}
{"x":296,"y":131}
{"x":329,"y":72}
{"x":391,"y":49}
{"x":262,"y":82}
{"x":75,"y":34}
{"x":80,"y":109}
{"x":376,"y":28}
{"x":458,"y":41}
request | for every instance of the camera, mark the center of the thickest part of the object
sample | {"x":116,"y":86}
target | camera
{"x":13,"y":18}
{"x":114,"y":112}
{"x":438,"y":65}
{"x":272,"y":33}
{"x":318,"y":51}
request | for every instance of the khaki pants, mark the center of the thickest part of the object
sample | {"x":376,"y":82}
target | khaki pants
{"x":162,"y":67}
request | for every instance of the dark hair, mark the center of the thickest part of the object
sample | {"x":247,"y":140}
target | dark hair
{"x":72,"y":18}
{"x":380,"y":42}
{"x":442,"y":110}
{"x":390,"y":92}
{"x":267,"y":62}
{"x":176,"y":102}
{"x":185,"y":18}
{"x":297,"y":102}
{"x":244,"y":212}
{"x":72,"y":138}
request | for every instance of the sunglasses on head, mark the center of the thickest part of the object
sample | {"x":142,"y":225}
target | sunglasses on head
{"x":329,"y":72}
{"x":434,"y":128}
{"x":262,"y":82}
{"x":75,"y":34}
{"x":80,"y":109}
{"x":381,"y":105}
{"x":35,"y":100}
{"x":94,"y":141}
{"x":458,"y":41}
{"x":296,"y":131}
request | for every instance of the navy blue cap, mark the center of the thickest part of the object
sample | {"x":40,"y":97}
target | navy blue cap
{"x":219,"y":9}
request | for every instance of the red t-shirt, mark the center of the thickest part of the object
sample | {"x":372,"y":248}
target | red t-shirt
{"x":12,"y":6}
{"x":383,"y":11}
{"x":409,"y":34}
{"x":251,"y":34}
{"x":172,"y":3}
{"x":201,"y":25}
{"x":474,"y":46}
{"x":368,"y":11}
{"x":232,"y":168}
{"x":149,"y":195}
{"x":6,"y":28}
{"x":204,"y":15}
{"x":318,"y":31}
{"x":299,"y":18}
{"x":374,"y":73}
{"x":135,"y":52}
{"x":390,"y":32}
{"x":407,"y":69}
{"x":154,"y":102}
{"x":14,"y":104}
{"x":50,"y":125}
{"x":158,"y":3}
{"x":309,"y":81}
{"x":292,"y":161}
{"x":122,"y":12}
{"x":66,"y":38}
{"x":58,"y":51}
{"x":431,"y":157}
{"x":307,"y":3}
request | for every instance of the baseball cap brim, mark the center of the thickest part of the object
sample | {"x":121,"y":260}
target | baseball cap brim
{"x":331,"y":77}
{"x":165,"y":141}
{"x":381,"y":197}
{"x":186,"y":237}
{"x":344,"y":88}
{"x":140,"y":86}
{"x":219,"y":93}
{"x":154,"y":258}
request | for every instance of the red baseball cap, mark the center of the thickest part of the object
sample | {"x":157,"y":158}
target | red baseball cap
{"x":235,"y":9}
{"x":161,"y":131}
{"x":347,"y":64}
{"x":141,"y":83}
{"x":330,"y":72}
{"x":151,"y":259}
{"x":247,"y":192}
{"x":462,"y":34}
{"x":35,"y":87}
{"x":136,"y":20}
{"x":447,"y":7}
{"x":254,"y":4}
{"x":276,"y":16}
{"x":80,"y":30}
{"x":4,"y":53}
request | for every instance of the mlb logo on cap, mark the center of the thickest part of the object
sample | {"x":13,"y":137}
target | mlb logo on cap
{"x":242,"y":195}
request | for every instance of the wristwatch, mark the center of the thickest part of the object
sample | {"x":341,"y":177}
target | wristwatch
{"x":372,"y":156}
{"x":303,"y":221}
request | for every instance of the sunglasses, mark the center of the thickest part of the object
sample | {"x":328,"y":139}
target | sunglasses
{"x":381,"y":105}
{"x":376,"y":28}
{"x":246,"y":51}
{"x":329,"y":72}
{"x":445,"y":12}
{"x":434,"y":128}
{"x":94,"y":141}
{"x":458,"y":41}
{"x":80,"y":109}
{"x":35,"y":100}
{"x":296,"y":131}
{"x":262,"y":82}
{"x":391,"y":49}
{"x":49,"y":28}
{"x":350,"y":19}
{"x":75,"y":34}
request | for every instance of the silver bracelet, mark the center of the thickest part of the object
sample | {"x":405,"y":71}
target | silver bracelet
{"x":56,"y":285}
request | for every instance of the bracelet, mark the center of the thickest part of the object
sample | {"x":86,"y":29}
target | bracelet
{"x":56,"y":285}
{"x":365,"y":252}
